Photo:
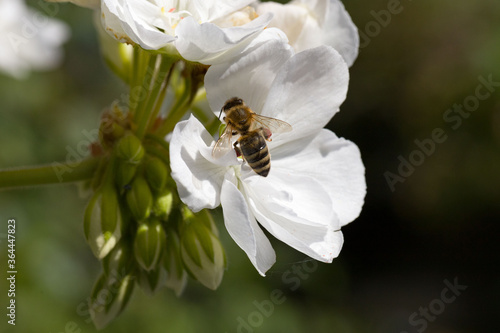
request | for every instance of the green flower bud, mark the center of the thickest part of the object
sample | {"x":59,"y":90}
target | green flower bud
{"x":153,"y":280}
{"x":149,"y":244}
{"x":130,"y":149}
{"x":156,"y":173}
{"x":120,"y":259}
{"x":172,"y":262}
{"x":163,"y":204}
{"x":125,"y":172}
{"x":110,"y":131}
{"x":201,"y":250}
{"x":139,"y":199}
{"x":207,"y":220}
{"x":110,"y":297}
{"x":103,"y":221}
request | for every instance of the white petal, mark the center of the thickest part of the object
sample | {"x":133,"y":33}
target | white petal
{"x":297,"y":210}
{"x":335,"y":163}
{"x":243,"y":228}
{"x":112,"y":24}
{"x":138,"y":20}
{"x":206,"y":42}
{"x":198,"y":178}
{"x":311,"y":23}
{"x":289,"y":18}
{"x":211,"y":10}
{"x":340,"y":32}
{"x":249,"y":77}
{"x":307,"y":92}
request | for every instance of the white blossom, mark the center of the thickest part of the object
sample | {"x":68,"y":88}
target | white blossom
{"x":28,"y":39}
{"x":316,"y":183}
{"x":200,"y":30}
{"x":311,"y":23}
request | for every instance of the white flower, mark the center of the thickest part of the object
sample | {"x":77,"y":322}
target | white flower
{"x":311,"y":23}
{"x":201,"y":29}
{"x":316,"y":183}
{"x":28,"y":39}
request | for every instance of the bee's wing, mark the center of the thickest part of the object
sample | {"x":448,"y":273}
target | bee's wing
{"x":223,"y":145}
{"x":273,"y":124}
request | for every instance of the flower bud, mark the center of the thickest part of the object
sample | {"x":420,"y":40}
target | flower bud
{"x":103,"y":221}
{"x":110,"y":131}
{"x":125,"y":172}
{"x":110,"y":297}
{"x":149,"y":244}
{"x":156,"y":173}
{"x":119,"y":259}
{"x":172,"y":262}
{"x":130,"y":149}
{"x":163,"y":204}
{"x":139,"y":199}
{"x":153,"y":280}
{"x":201,"y":250}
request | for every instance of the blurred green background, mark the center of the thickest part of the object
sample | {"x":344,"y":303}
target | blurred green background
{"x":440,"y":224}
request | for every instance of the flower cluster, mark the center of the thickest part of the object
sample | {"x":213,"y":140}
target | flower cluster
{"x":160,"y":166}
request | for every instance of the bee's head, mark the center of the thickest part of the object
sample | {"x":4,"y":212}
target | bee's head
{"x":232,"y":102}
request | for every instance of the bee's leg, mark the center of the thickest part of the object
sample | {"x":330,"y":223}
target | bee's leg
{"x":267,"y":134}
{"x":237,"y":149}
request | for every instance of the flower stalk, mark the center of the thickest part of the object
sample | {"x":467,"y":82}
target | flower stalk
{"x":55,"y":173}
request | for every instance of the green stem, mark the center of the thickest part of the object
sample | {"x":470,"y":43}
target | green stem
{"x":135,"y":82}
{"x":161,"y":94}
{"x":55,"y":173}
{"x":159,"y":140}
{"x":156,"y":94}
{"x":177,"y":112}
{"x":145,"y":91}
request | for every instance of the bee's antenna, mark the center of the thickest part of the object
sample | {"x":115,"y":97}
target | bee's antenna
{"x":220,"y":113}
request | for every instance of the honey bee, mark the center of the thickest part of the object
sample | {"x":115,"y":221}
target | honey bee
{"x":253,"y":129}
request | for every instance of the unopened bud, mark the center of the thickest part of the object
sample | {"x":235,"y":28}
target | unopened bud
{"x":172,"y":262}
{"x":152,"y":281}
{"x":149,"y":243}
{"x":109,"y":298}
{"x":139,"y":199}
{"x":156,"y":173}
{"x":130,"y":149}
{"x":201,"y":250}
{"x":120,"y":259}
{"x":163,"y":204}
{"x":110,"y":131}
{"x":103,"y":221}
{"x":125,"y":172}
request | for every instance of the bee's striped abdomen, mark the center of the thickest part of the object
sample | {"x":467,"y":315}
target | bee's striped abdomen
{"x":254,"y":149}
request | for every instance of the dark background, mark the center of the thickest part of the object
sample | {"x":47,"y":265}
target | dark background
{"x":439,"y":224}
